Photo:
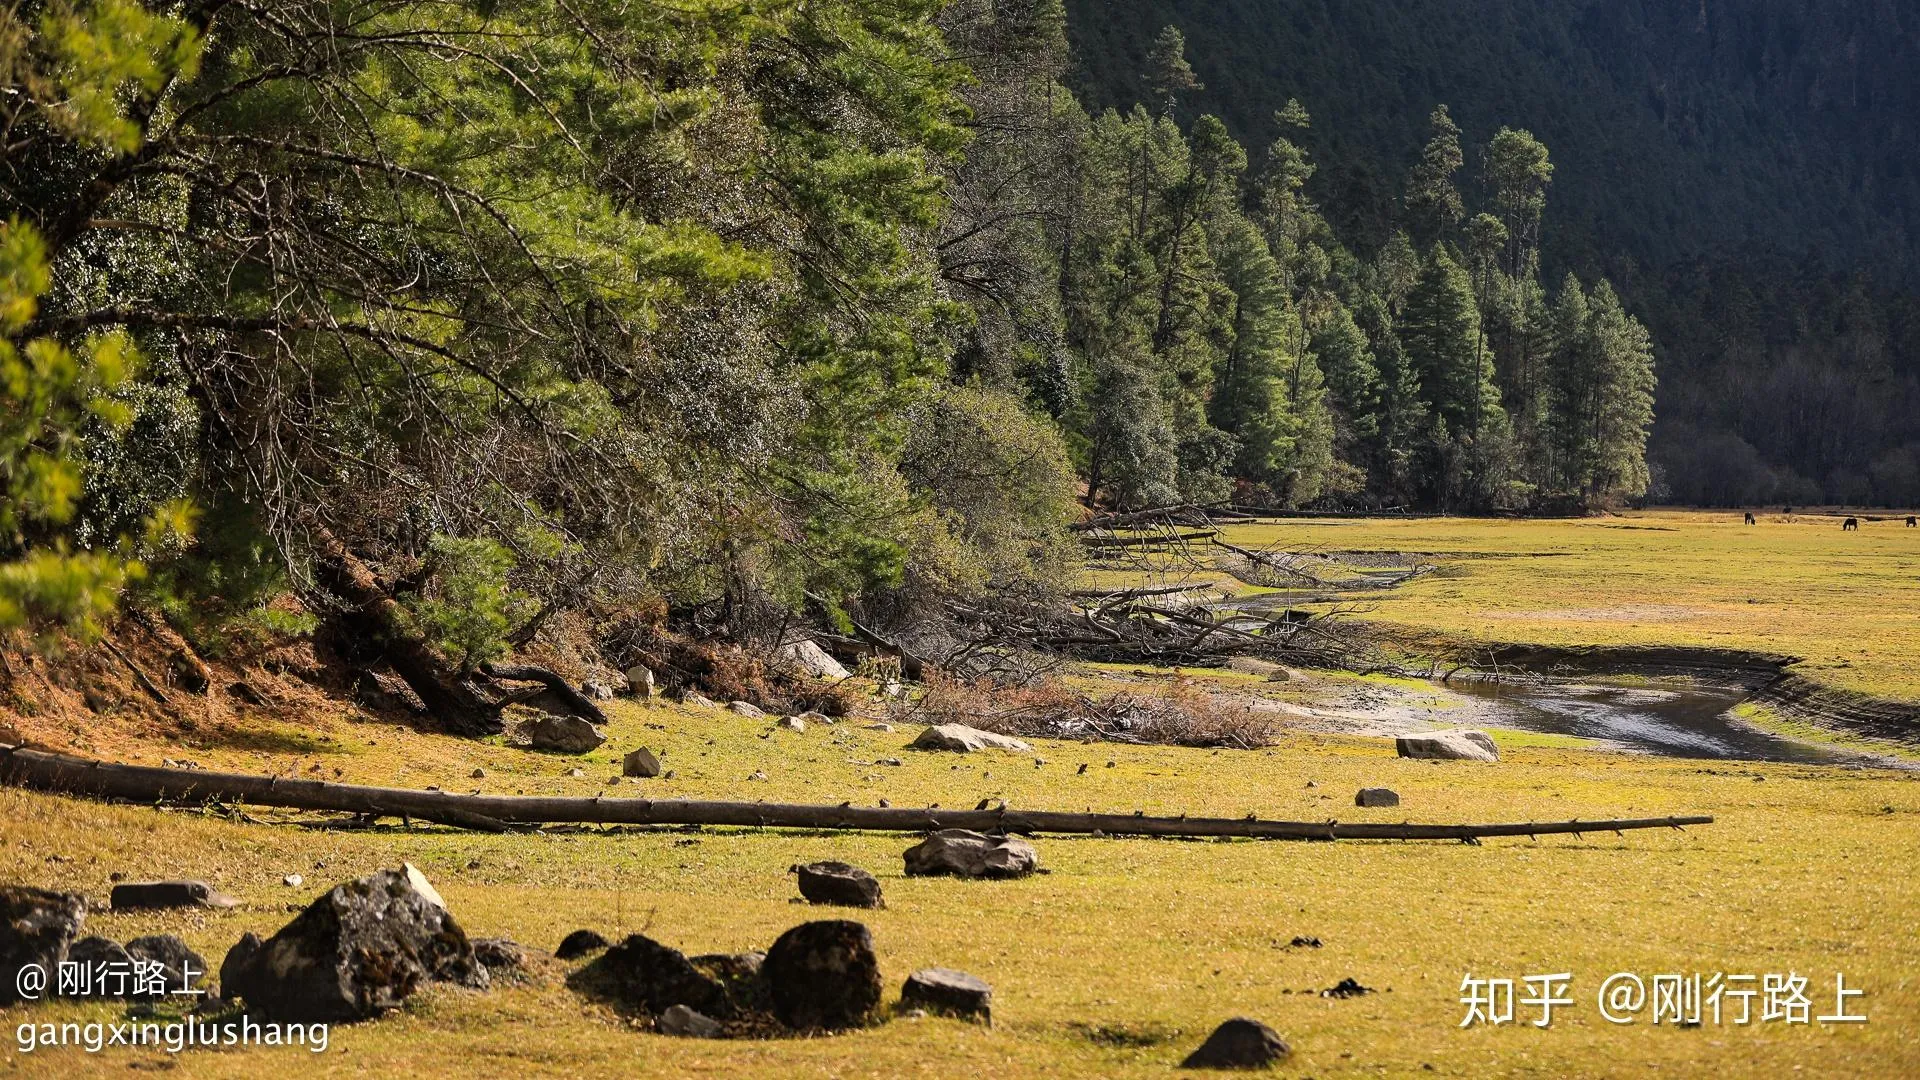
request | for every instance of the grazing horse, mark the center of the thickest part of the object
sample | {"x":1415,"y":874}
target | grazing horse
{"x":1750,"y":517}
{"x":1850,"y":523}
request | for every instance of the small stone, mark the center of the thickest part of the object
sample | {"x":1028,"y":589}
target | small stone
{"x":641,"y":763}
{"x":814,"y":716}
{"x":1376,"y":796}
{"x":148,"y":895}
{"x":696,"y":701}
{"x":1239,"y":1043}
{"x":838,"y":883}
{"x":1313,"y":783}
{"x":498,"y":953}
{"x":561,"y":734}
{"x":955,"y":993}
{"x":293,"y":881}
{"x":478,"y":774}
{"x":1346,"y":988}
{"x":888,"y":728}
{"x":888,"y":761}
{"x":792,"y":723}
{"x":640,"y":682}
{"x":578,"y":944}
{"x":1111,"y":764}
{"x":686,"y":1023}
{"x":747,"y":709}
{"x":756,"y":775}
{"x":576,"y":773}
{"x":596,"y":691}
{"x":613,"y":781}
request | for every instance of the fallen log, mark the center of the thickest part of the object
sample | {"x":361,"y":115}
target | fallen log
{"x":1152,"y":540}
{"x":49,"y":771}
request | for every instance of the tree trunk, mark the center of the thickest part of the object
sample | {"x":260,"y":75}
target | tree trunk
{"x":451,"y":700}
{"x":42,"y":770}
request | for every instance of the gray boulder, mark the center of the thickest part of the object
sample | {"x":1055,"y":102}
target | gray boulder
{"x":36,"y":928}
{"x":641,"y":763}
{"x":964,"y":853}
{"x":1239,"y":1043}
{"x":640,"y":682}
{"x":962,"y":739}
{"x":954,"y":993}
{"x":141,"y":895}
{"x":747,"y":709}
{"x":839,"y":883}
{"x":561,"y":734}
{"x":807,"y":655}
{"x":1376,"y":796}
{"x":499,"y":954}
{"x":353,"y":954}
{"x":686,"y":1023}
{"x":1452,"y":744}
{"x":823,"y":976}
{"x":99,"y":969}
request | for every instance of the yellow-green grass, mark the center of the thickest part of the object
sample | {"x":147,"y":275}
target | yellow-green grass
{"x":1848,"y":603}
{"x":1812,"y":870}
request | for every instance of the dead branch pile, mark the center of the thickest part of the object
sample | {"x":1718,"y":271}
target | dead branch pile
{"x":1176,"y":712}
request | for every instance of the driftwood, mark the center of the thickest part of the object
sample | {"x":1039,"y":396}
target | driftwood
{"x":139,"y":676}
{"x":43,"y":770}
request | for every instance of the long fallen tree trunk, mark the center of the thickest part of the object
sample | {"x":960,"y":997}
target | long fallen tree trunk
{"x":43,"y":770}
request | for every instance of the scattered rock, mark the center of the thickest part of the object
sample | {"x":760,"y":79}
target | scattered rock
{"x":499,"y":954}
{"x":1452,"y":744}
{"x":293,"y":881}
{"x":963,"y":853}
{"x":596,"y":691}
{"x":955,"y":993}
{"x":578,"y":944}
{"x":697,"y":701}
{"x":641,"y":763}
{"x":965,"y":740}
{"x":1376,"y":796}
{"x":478,"y":774}
{"x":889,"y":761}
{"x":792,"y":723}
{"x":576,"y":773}
{"x":561,"y":734}
{"x":838,"y":883}
{"x":1346,"y":988}
{"x":823,"y":976}
{"x":686,"y":1023}
{"x":756,"y":775}
{"x":640,"y":682}
{"x":181,"y":967}
{"x":1303,"y":942}
{"x":807,"y":655}
{"x":137,"y":895}
{"x":747,"y":709}
{"x":813,"y":716}
{"x":353,"y":954}
{"x":885,"y":727}
{"x":1239,"y":1043}
{"x":641,"y":973}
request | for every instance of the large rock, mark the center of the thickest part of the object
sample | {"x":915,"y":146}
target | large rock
{"x":138,"y":895}
{"x":36,"y":928}
{"x":96,"y":968}
{"x":1239,"y":1043}
{"x":640,"y":973}
{"x":640,"y":682}
{"x":807,"y":655}
{"x":499,"y":954}
{"x":964,"y":853}
{"x":962,"y":739}
{"x":641,"y":763}
{"x":353,"y":954}
{"x":955,"y":993}
{"x":839,"y":883}
{"x":1452,"y":744}
{"x":687,"y":1023}
{"x":562,"y":734}
{"x":823,"y":976}
{"x":1376,"y":796}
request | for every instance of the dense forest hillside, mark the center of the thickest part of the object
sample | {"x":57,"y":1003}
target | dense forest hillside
{"x":1744,"y":173}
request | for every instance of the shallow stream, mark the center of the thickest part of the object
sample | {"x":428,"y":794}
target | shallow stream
{"x":1694,"y":722}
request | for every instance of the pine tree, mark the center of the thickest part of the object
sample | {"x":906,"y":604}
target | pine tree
{"x":1434,"y":205}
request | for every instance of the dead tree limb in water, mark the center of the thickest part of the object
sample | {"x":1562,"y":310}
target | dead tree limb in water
{"x":42,"y":770}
